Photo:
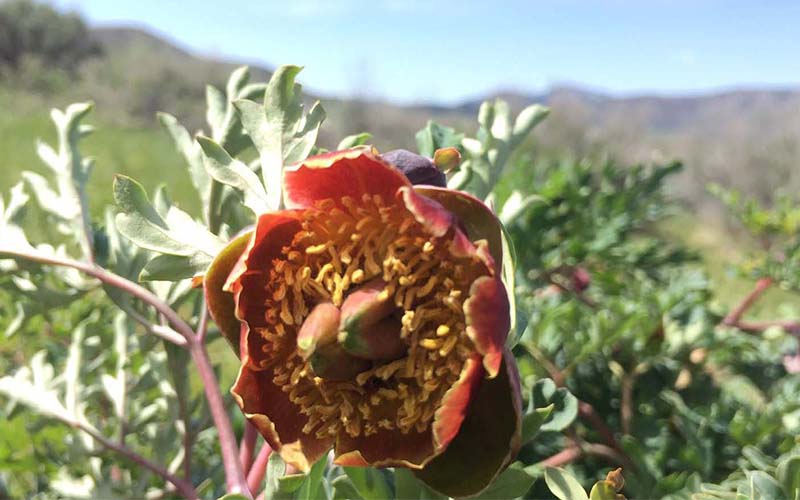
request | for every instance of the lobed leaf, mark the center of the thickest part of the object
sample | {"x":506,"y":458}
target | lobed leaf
{"x":563,"y":484}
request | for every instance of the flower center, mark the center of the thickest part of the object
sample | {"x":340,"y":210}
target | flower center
{"x":401,"y":359}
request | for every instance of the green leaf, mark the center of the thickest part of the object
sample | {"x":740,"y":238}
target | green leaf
{"x":369,"y":482}
{"x":236,"y":174}
{"x":293,"y":486}
{"x":276,"y":468}
{"x":355,"y":140}
{"x":190,"y":151}
{"x":564,"y":485}
{"x":35,"y":388}
{"x":175,"y":267}
{"x":565,"y":405}
{"x":233,"y":496}
{"x":343,"y":489}
{"x":532,"y":421}
{"x":63,"y":207}
{"x":517,"y":204}
{"x":527,"y":120}
{"x":514,"y":482}
{"x":509,"y":271}
{"x":788,"y":474}
{"x":407,"y":486}
{"x":177,"y":234}
{"x":216,"y":108}
{"x":278,"y":129}
{"x":762,"y":486}
{"x":312,"y":482}
{"x":131,"y":198}
{"x":602,"y":490}
{"x":435,"y":136}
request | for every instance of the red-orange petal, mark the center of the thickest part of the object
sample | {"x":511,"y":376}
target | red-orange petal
{"x":488,"y":320}
{"x":488,"y":441}
{"x":277,"y":418}
{"x":450,"y":415}
{"x":248,"y":278}
{"x":221,"y":303}
{"x":478,"y":219}
{"x":385,"y":449}
{"x":438,"y":221}
{"x":352,"y":173}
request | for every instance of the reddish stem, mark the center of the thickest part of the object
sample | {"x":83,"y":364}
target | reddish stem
{"x":732,"y":319}
{"x":626,"y":403}
{"x":259,"y":469}
{"x":587,"y":412}
{"x":247,"y":447}
{"x":202,"y":327}
{"x":563,"y":457}
{"x":185,"y":488}
{"x":791,"y":326}
{"x":574,"y":451}
{"x":235,"y":479}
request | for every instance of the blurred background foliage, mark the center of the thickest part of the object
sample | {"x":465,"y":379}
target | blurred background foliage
{"x":629,"y":273}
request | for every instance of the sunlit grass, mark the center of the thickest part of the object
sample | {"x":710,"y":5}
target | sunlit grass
{"x":721,"y":249}
{"x":146,"y":154}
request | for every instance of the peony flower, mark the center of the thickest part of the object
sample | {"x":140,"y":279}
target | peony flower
{"x":370,"y":317}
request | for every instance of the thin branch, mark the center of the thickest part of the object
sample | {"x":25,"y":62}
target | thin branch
{"x":626,"y":402}
{"x":609,"y":453}
{"x":259,"y":469}
{"x":202,"y":327}
{"x":549,"y":366}
{"x":563,"y":457}
{"x":247,"y":448}
{"x":588,"y":413}
{"x":162,"y":331}
{"x":790,"y":325}
{"x":574,"y":451}
{"x":732,"y":319}
{"x":234,"y":475}
{"x":185,"y":488}
{"x":188,"y":438}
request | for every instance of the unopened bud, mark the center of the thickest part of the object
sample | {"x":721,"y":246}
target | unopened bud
{"x":417,"y":169}
{"x":319,"y":329}
{"x":317,"y":343}
{"x":369,"y":328}
{"x":447,"y":159}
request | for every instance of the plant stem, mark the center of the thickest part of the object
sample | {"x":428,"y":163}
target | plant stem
{"x":732,"y":319}
{"x":165,"y":333}
{"x":259,"y":469}
{"x":587,"y":411}
{"x":202,"y":327}
{"x":574,"y":451}
{"x":563,"y":457}
{"x":234,"y":475}
{"x":248,"y":446}
{"x":626,"y":402}
{"x":185,"y":488}
{"x":548,"y":365}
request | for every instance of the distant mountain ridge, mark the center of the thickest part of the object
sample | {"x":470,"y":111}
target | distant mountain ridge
{"x":747,"y":138}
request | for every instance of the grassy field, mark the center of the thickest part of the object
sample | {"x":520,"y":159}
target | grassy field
{"x":720,"y":249}
{"x":146,"y":154}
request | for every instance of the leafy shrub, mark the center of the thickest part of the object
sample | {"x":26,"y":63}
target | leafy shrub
{"x":624,"y":360}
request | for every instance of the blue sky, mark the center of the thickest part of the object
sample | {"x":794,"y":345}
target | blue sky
{"x":448,"y":50}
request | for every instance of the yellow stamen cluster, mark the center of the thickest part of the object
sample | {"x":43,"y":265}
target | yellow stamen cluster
{"x":339,"y":248}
